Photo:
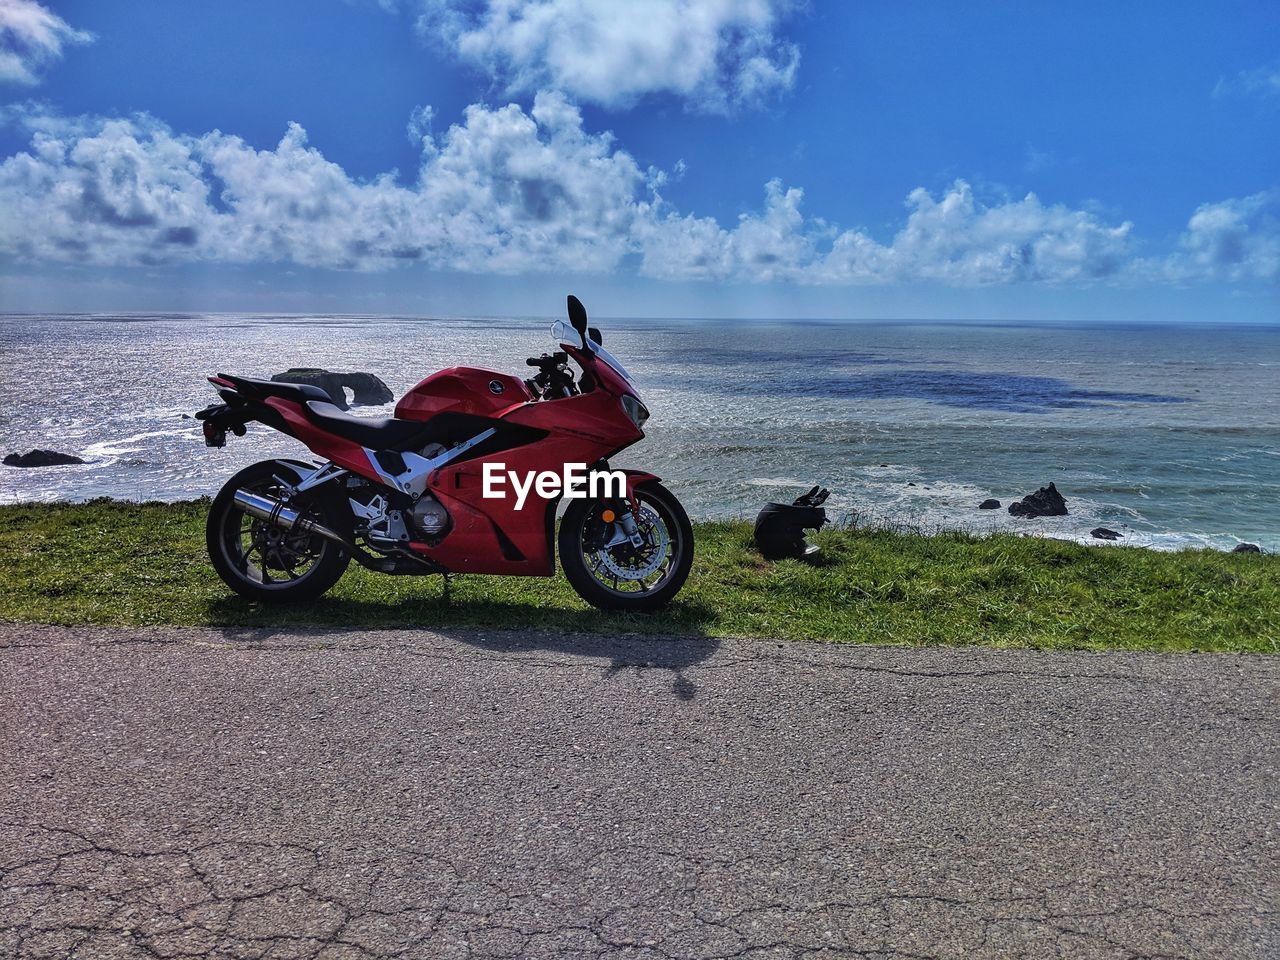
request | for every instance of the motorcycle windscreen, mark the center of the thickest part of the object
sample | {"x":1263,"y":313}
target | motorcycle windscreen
{"x":561,"y":332}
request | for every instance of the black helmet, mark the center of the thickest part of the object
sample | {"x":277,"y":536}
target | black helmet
{"x":780,"y":527}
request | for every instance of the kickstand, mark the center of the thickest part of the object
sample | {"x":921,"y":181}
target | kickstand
{"x":448,"y":579}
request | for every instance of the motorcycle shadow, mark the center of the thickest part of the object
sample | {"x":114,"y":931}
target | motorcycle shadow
{"x":624,"y":652}
{"x":673,"y":640}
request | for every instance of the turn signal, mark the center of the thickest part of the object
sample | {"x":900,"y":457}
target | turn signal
{"x":608,"y":516}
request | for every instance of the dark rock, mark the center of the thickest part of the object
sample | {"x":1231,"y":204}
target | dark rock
{"x":40,"y":458}
{"x":989,"y":505}
{"x":365,"y":387}
{"x":910,"y":484}
{"x":1239,"y":547}
{"x":1102,"y":533}
{"x":1045,"y":502}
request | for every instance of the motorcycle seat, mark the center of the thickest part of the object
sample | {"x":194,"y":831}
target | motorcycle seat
{"x":297,"y":392}
{"x":385,"y":433}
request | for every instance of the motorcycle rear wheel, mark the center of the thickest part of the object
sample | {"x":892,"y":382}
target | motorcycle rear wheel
{"x":262,"y":562}
{"x":622,"y":577}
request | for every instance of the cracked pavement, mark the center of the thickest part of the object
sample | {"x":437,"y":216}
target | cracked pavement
{"x":310,"y":794}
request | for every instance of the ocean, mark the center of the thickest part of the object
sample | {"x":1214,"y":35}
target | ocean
{"x":1169,"y":434}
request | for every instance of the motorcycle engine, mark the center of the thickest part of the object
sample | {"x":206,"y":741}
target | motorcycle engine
{"x":430,"y":517}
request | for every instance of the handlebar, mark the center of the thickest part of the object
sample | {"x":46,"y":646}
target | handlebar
{"x":553,"y":379}
{"x":546,"y":361}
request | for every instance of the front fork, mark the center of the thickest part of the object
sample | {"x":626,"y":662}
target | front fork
{"x":624,"y":526}
{"x":625,"y":510}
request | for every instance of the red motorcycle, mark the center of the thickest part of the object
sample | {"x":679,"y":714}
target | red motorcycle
{"x":438,"y":488}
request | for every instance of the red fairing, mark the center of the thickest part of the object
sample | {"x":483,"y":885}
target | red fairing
{"x":603,"y":373}
{"x":581,"y":429}
{"x":343,"y":452}
{"x":470,"y":390}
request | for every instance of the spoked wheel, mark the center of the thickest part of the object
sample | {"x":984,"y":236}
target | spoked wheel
{"x":262,"y":561}
{"x":609,"y":571}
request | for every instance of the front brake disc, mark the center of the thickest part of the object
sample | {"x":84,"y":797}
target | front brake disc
{"x":656,"y":541}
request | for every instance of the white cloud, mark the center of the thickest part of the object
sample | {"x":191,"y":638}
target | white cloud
{"x":954,"y":240}
{"x":504,"y":191}
{"x":419,"y":127}
{"x":1234,"y":240}
{"x":100,"y":191}
{"x":30,"y":37}
{"x":517,"y":191}
{"x":1264,"y":81}
{"x":513,"y":191}
{"x":773,"y":245}
{"x":717,"y":54}
{"x":958,"y":240}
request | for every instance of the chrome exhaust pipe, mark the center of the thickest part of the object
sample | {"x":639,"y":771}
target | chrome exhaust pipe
{"x":273,"y":511}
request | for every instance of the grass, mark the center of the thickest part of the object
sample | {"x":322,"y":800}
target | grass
{"x":109,"y":562}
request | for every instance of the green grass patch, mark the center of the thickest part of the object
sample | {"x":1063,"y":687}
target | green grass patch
{"x":110,"y":562}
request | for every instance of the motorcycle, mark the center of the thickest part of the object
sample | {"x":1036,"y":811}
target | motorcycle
{"x":419,"y":493}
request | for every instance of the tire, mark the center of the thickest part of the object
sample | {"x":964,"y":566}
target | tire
{"x":229,"y":531}
{"x":582,"y":527}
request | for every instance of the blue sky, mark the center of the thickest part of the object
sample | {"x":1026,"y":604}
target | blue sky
{"x":721,"y":158}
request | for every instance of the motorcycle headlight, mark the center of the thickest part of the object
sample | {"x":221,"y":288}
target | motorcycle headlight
{"x":635,"y":411}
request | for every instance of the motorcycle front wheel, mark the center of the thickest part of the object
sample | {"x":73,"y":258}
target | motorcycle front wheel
{"x":261,"y":561}
{"x":623,"y":576}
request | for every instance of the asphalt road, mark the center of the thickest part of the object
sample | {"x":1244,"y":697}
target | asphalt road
{"x":258,"y":794}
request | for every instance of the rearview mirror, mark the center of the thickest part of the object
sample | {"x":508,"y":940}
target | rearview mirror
{"x":578,"y":318}
{"x":595,"y":334}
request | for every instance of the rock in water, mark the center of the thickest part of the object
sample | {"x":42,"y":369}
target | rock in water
{"x":330,"y":383}
{"x":1102,"y":533}
{"x":1045,"y":502}
{"x":366,"y":388}
{"x":40,"y":458}
{"x":989,"y":505}
{"x":1239,"y":547}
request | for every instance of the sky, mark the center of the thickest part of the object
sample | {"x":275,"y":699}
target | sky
{"x":727,"y":158}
